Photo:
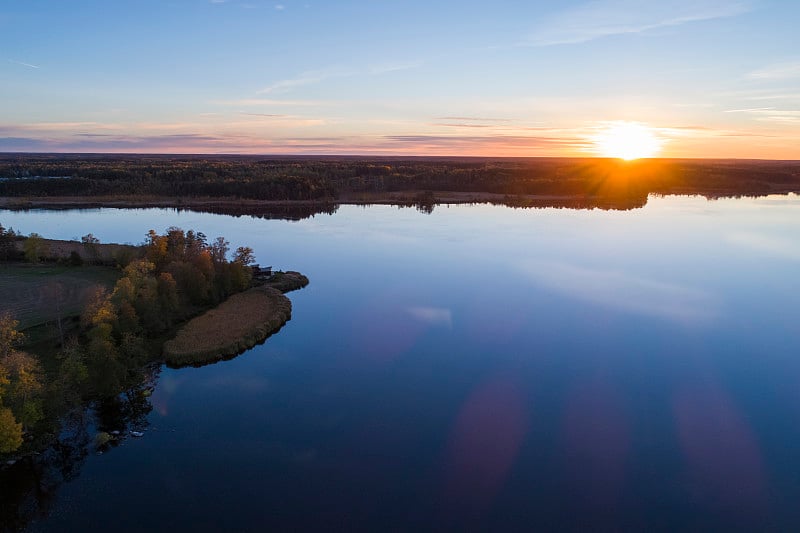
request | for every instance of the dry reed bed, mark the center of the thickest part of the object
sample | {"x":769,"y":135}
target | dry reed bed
{"x":238,"y":323}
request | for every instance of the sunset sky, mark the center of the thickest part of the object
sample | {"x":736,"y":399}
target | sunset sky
{"x":713,"y":78}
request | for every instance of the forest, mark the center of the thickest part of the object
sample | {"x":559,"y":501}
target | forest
{"x":331,"y":180}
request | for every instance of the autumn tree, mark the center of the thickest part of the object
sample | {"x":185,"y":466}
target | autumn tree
{"x":34,"y":248}
{"x":24,"y":392}
{"x":10,"y":431}
{"x":244,"y":256}
{"x":10,"y":338}
{"x":219,"y":250}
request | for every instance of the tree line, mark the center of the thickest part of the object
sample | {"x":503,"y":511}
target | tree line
{"x":328,"y":179}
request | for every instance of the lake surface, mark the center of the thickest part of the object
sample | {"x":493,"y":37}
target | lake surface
{"x":477,"y":368}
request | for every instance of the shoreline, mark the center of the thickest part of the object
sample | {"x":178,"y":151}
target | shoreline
{"x":295,"y":208}
{"x":235,"y":325}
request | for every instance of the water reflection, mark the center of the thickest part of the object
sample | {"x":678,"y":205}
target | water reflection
{"x":769,"y":245}
{"x":478,"y":367}
{"x":596,"y":437}
{"x":31,"y":485}
{"x":624,"y":292}
{"x":484,"y":442}
{"x":724,"y":468}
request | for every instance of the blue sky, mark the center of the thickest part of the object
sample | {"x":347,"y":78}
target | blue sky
{"x":712,"y":78}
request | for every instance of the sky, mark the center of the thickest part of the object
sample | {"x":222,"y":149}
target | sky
{"x":711,"y":78}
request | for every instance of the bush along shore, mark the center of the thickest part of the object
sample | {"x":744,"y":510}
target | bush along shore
{"x":237,"y":324}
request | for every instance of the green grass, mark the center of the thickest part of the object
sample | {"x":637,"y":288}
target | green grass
{"x":36,"y":294}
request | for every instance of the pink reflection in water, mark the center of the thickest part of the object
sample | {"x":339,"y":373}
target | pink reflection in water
{"x":483,"y":445}
{"x":597,"y":442}
{"x":167,"y":387}
{"x":723,"y":460}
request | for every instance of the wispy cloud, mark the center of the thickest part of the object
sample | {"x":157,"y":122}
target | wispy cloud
{"x":265,"y":102}
{"x":474,"y":119}
{"x":313,"y":77}
{"x":774,"y":96}
{"x":264,"y":115}
{"x":779,"y":71}
{"x":460,"y":125}
{"x":395,"y":67}
{"x":29,"y":65}
{"x":473,"y":122}
{"x":498,"y":144}
{"x":306,"y":78}
{"x":771,"y":114}
{"x":602,"y":18}
{"x":751,"y":110}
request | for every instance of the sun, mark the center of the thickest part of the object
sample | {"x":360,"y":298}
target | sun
{"x":627,"y":140}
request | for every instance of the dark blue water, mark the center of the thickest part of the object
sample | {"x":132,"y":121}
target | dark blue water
{"x":479,"y":368}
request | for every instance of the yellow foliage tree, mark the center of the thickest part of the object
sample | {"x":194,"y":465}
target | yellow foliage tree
{"x":10,"y":338}
{"x":10,"y":431}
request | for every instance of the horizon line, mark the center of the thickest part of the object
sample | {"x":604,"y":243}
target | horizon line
{"x":392,"y":156}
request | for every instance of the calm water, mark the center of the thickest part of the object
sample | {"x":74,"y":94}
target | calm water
{"x":479,"y":367}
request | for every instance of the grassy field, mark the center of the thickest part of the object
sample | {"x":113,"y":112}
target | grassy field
{"x":37,"y":294}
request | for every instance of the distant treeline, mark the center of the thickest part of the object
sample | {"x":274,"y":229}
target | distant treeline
{"x":331,"y":179}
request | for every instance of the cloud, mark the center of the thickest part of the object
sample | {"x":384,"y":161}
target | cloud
{"x":313,"y":77}
{"x":48,"y":127}
{"x":256,"y":102}
{"x":395,"y":67}
{"x":771,"y":114}
{"x":306,"y":78}
{"x":266,"y":115}
{"x":774,"y":96}
{"x":625,"y":292}
{"x":461,"y":125}
{"x":474,"y":119}
{"x":602,"y":18}
{"x":29,"y":65}
{"x":488,"y":143}
{"x":473,"y":122}
{"x":24,"y":144}
{"x":780,"y":71}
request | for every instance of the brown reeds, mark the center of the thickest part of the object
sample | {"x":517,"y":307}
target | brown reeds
{"x":239,"y":323}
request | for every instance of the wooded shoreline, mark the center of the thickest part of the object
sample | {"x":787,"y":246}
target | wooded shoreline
{"x":298,"y":187}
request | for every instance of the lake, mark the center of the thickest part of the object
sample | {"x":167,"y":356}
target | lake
{"x":477,"y":367}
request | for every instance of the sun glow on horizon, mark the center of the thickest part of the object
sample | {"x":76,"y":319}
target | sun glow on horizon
{"x":627,"y":140}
